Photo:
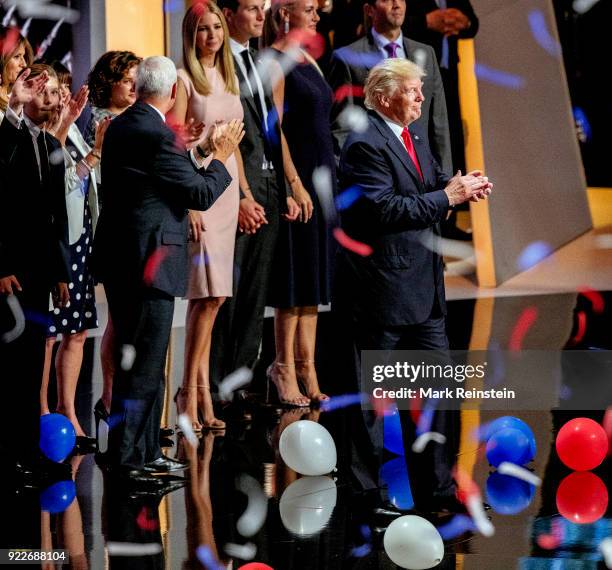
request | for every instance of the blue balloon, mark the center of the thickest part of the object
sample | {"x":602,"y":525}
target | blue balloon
{"x":58,"y":497}
{"x":392,"y":432}
{"x":395,"y":474}
{"x":57,"y":436}
{"x":508,"y":444}
{"x":509,"y":422}
{"x":508,"y":495}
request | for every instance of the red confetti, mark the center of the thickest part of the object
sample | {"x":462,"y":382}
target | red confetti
{"x":355,"y":246}
{"x":9,"y":44}
{"x":153,"y":264}
{"x":466,"y":486}
{"x":415,"y":409}
{"x":146,"y":521}
{"x":596,"y":298}
{"x":607,"y":425}
{"x":523,"y":324}
{"x":581,"y":316}
{"x":348,"y":90}
{"x":382,"y":406}
{"x":552,"y":540}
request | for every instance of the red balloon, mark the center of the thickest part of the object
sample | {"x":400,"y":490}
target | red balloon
{"x":582,"y":498}
{"x":582,"y":444}
{"x":256,"y":566}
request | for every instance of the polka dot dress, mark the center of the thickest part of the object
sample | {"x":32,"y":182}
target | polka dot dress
{"x":80,"y":313}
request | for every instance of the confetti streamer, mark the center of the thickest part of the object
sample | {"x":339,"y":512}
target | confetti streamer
{"x":243,"y":551}
{"x":449,"y":247}
{"x":184,"y":423}
{"x":255,"y":514}
{"x":522,"y":326}
{"x":46,"y":43}
{"x":146,"y":521}
{"x":42,"y":10}
{"x":355,"y":246}
{"x":469,"y":494}
{"x":582,"y":7}
{"x":507,"y":468}
{"x":456,"y":527}
{"x":152,"y":265}
{"x":582,"y":322}
{"x":342,"y":401}
{"x":346,"y":199}
{"x":133,"y":548}
{"x":322,"y":182}
{"x":539,"y":30}
{"x":7,"y":17}
{"x":347,"y":90}
{"x":605,"y":546}
{"x":26,"y":28}
{"x":13,"y":303}
{"x":128,"y":355}
{"x":233,"y":381}
{"x":207,"y":558}
{"x":421,"y":442}
{"x":554,"y":539}
{"x":596,"y":298}
{"x":498,"y":77}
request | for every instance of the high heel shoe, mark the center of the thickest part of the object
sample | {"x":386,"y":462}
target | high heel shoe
{"x":317,"y":396}
{"x":101,"y":416}
{"x":213,"y":425}
{"x":195,"y":425}
{"x":272,"y":375}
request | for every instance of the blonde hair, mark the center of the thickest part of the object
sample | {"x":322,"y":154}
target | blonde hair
{"x":223,"y":62}
{"x":10,"y":41}
{"x":272,"y":23}
{"x":385,"y":78}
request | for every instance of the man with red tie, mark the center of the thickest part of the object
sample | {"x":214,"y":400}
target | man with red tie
{"x":396,"y":295}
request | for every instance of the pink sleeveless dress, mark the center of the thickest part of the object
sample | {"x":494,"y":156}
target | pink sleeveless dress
{"x":212,"y":259}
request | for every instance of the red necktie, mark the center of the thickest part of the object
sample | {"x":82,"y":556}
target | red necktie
{"x":411,"y":152}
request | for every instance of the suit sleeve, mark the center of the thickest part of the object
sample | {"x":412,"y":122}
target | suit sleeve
{"x":439,"y":134}
{"x":9,"y":135}
{"x":339,"y":76}
{"x":364,"y":165}
{"x":183,"y":182}
{"x":472,"y":29}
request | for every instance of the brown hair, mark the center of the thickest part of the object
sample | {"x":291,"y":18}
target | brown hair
{"x":108,"y":70}
{"x":63,"y":74}
{"x":224,"y":63}
{"x":10,"y":41}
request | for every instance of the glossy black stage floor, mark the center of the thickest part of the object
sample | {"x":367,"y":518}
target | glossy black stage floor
{"x":332,"y":522}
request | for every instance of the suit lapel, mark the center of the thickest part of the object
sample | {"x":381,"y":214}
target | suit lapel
{"x":421,"y":153}
{"x":398,"y":149}
{"x":245,"y":92}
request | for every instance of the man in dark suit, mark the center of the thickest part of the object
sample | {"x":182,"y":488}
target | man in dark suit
{"x":239,"y":327}
{"x":351,"y":64}
{"x":394,"y":298}
{"x":141,"y":255}
{"x":33,"y":254}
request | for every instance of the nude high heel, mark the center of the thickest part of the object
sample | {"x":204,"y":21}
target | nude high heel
{"x":316,"y":396}
{"x":272,"y":375}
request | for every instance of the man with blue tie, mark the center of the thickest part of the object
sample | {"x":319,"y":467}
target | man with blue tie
{"x":351,"y":64}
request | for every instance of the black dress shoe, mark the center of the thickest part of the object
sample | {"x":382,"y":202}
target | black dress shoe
{"x":164,"y":464}
{"x":387,"y":510}
{"x":136,"y":478}
{"x":165,"y":432}
{"x":166,"y":442}
{"x":40,"y":472}
{"x":158,"y":492}
{"x":84,"y":445}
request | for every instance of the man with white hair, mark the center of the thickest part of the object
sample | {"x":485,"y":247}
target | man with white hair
{"x":141,"y":256}
{"x":394,"y":299}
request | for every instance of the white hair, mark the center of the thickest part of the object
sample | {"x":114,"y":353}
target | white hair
{"x":386,"y":77}
{"x":155,"y":77}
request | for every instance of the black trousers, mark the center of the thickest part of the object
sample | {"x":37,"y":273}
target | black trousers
{"x":21,"y":365}
{"x":142,"y":319}
{"x":239,"y":325}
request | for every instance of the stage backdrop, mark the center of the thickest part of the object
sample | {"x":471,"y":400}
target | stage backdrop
{"x":519,"y":127}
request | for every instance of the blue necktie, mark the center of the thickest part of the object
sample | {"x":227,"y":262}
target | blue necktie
{"x":444,"y":56}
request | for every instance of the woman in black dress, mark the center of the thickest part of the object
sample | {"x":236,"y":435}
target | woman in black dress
{"x":301,"y":274}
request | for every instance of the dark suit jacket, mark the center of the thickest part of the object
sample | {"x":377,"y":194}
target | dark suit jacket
{"x":255,"y":142}
{"x":415,"y":26}
{"x":350,"y":66}
{"x":396,"y":214}
{"x":149,"y":184}
{"x":33,"y":219}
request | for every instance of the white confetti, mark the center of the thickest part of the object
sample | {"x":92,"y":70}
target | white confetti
{"x":255,"y":514}
{"x":128,"y":355}
{"x":461,"y":267}
{"x":507,"y":468}
{"x":421,"y":442}
{"x":581,"y":7}
{"x":26,"y":28}
{"x":41,"y":9}
{"x":57,"y":156}
{"x":420,"y":57}
{"x":354,"y":118}
{"x":243,"y":551}
{"x":133,"y":548}
{"x":322,"y":183}
{"x":184,"y":424}
{"x":233,"y":381}
{"x":15,"y":332}
{"x":7,"y":17}
{"x":604,"y":241}
{"x":476,"y":510}
{"x":606,"y":549}
{"x":448,"y":247}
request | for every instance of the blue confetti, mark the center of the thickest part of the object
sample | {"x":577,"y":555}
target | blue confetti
{"x":456,"y":527}
{"x":346,"y":199}
{"x":532,"y":254}
{"x":207,"y":558}
{"x":539,"y":29}
{"x":582,"y":124}
{"x":498,"y":77}
{"x":361,"y":551}
{"x":343,"y":401}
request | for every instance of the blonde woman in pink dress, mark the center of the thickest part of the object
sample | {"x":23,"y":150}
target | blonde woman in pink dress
{"x":208,"y":92}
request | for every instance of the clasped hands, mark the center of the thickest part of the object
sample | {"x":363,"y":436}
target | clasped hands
{"x":447,"y":21}
{"x":472,"y":186}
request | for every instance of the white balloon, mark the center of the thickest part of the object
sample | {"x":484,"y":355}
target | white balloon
{"x":307,"y":505}
{"x":413,"y":543}
{"x":308,"y":448}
